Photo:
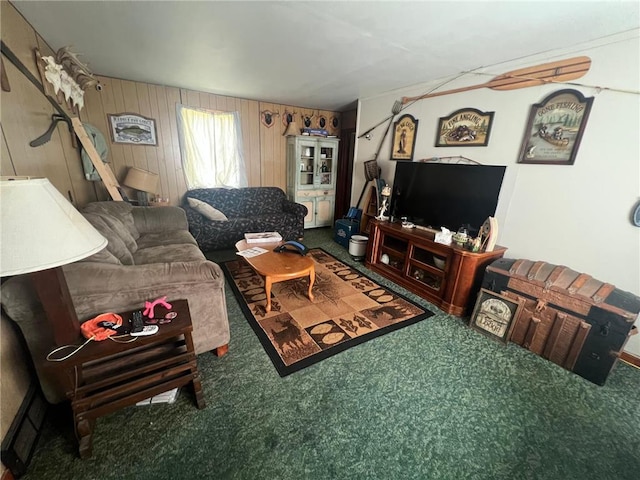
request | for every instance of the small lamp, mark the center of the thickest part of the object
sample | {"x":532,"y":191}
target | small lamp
{"x":142,"y":181}
{"x":40,"y":232}
{"x":292,"y":129}
{"x":385,"y":194}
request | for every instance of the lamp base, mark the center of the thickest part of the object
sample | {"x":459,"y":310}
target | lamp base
{"x":143,"y":198}
{"x":54,"y":295}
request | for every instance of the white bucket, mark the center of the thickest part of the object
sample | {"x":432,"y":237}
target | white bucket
{"x":358,"y":246}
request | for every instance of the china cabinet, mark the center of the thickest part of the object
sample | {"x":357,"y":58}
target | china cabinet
{"x":312,"y":164}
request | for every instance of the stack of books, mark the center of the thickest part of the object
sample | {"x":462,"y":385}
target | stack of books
{"x":166,"y":397}
{"x":263,"y":237}
{"x":315,"y":132}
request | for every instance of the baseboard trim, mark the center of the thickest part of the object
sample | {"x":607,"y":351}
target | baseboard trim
{"x":630,"y":358}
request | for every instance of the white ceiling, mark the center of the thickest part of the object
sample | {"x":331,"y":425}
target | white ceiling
{"x":314,"y":54}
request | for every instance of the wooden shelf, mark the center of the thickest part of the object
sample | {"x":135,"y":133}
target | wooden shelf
{"x":106,"y":376}
{"x":452,"y":289}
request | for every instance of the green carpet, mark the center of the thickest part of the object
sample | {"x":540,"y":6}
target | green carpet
{"x":435,"y":400}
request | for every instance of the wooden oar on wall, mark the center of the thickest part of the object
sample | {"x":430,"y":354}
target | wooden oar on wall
{"x":554,"y":72}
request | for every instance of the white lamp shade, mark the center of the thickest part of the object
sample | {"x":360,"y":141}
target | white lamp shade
{"x":141,"y":180}
{"x":41,"y":229}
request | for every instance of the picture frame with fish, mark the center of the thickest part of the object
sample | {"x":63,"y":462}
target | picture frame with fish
{"x":133,"y":129}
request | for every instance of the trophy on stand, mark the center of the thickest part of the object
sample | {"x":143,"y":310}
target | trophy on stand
{"x":382,"y":212}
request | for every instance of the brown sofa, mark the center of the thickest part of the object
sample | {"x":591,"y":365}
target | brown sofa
{"x":150,"y":254}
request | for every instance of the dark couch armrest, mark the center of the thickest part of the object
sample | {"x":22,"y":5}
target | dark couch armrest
{"x":159,"y":219}
{"x":297,"y":209}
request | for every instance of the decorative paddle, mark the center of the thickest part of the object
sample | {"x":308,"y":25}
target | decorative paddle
{"x":553,"y":72}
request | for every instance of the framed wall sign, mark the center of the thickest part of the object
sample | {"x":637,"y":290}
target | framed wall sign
{"x":404,"y":138}
{"x":555,"y":128}
{"x":494,"y":315}
{"x":467,"y":127}
{"x":132,"y":129}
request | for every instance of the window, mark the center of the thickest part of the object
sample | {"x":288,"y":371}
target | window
{"x":211,"y":147}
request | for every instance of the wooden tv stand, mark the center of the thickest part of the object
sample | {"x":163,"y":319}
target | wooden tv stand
{"x":410,"y":261}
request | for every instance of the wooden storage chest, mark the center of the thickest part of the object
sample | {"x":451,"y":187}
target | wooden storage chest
{"x":569,"y":318}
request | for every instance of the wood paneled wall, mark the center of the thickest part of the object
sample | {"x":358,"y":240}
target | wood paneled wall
{"x":26,"y":114}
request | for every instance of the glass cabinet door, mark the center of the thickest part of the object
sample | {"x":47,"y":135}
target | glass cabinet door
{"x":307,"y":166}
{"x":327,"y":165}
{"x":428,"y":267}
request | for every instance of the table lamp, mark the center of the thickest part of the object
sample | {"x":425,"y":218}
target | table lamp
{"x":142,"y":181}
{"x":385,"y":194}
{"x":41,"y":231}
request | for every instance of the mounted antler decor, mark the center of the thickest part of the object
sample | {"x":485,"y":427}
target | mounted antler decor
{"x":306,"y":120}
{"x":288,"y":117}
{"x":266,"y":116}
{"x":68,"y":75}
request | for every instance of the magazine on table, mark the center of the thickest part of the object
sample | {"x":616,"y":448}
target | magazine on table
{"x":263,"y":237}
{"x":252,"y":252}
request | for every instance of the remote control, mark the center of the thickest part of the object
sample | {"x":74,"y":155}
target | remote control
{"x":147,"y":330}
{"x":137,"y":324}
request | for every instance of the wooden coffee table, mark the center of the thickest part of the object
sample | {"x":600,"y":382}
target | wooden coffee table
{"x":278,"y":267}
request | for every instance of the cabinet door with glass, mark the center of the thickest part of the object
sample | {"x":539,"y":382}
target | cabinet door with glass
{"x":312,"y":165}
{"x":312,"y":162}
{"x":327,"y":162}
{"x":306,"y":163}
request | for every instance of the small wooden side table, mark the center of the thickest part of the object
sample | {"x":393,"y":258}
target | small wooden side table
{"x":106,"y":376}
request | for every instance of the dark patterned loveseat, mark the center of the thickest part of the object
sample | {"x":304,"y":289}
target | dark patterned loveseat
{"x":250,"y":209}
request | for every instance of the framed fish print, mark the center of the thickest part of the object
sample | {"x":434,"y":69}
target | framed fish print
{"x":132,"y":129}
{"x":555,"y":128}
{"x":467,"y":127}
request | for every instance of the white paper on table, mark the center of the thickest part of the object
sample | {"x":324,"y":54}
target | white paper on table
{"x":252,"y":252}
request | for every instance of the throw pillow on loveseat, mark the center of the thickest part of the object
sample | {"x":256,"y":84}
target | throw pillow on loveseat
{"x":249,"y":209}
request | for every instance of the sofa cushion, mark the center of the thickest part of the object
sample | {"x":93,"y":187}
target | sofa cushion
{"x":115,"y":245}
{"x":168,"y":254}
{"x":119,"y":210}
{"x":103,"y":256}
{"x":166,"y":238}
{"x":119,"y":229}
{"x":207,"y":210}
{"x":159,"y":220}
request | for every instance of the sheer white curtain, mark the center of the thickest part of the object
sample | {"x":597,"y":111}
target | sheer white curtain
{"x":211,"y":147}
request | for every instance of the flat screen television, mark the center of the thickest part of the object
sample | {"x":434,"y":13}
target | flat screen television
{"x":447,"y":195}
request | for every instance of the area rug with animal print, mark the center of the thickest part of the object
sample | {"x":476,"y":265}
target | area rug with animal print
{"x":348,"y":308}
